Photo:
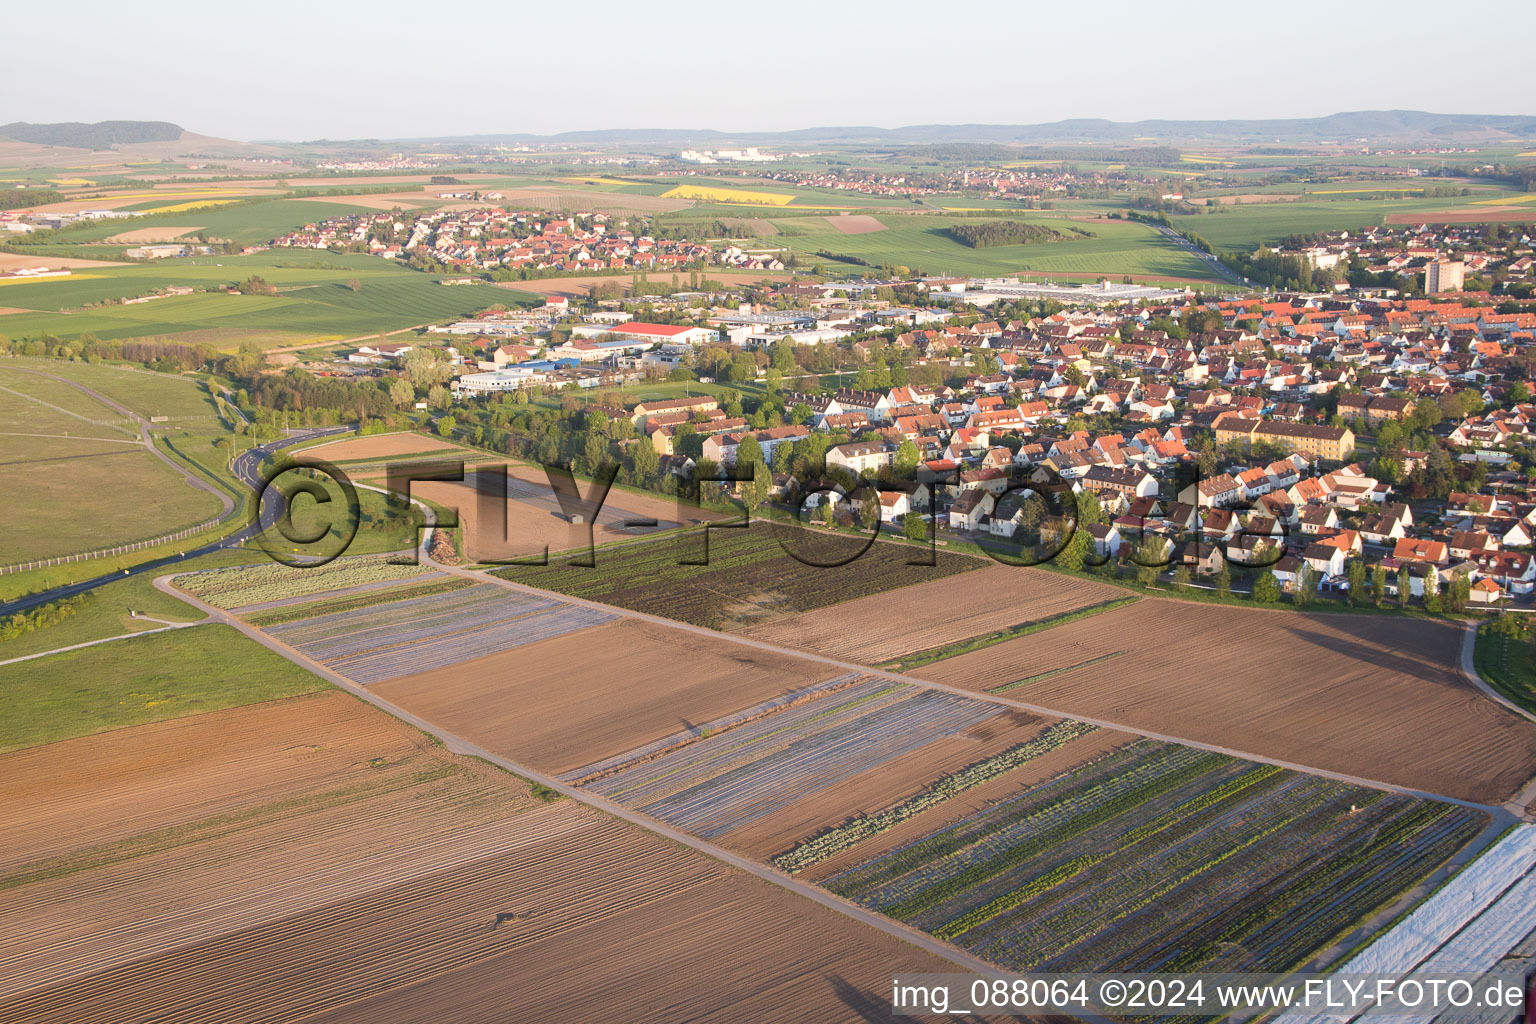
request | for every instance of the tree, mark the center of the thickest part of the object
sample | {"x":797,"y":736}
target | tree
{"x":401,"y":392}
{"x":913,"y":527}
{"x":869,"y":509}
{"x":1356,"y":573}
{"x":1181,"y":577}
{"x":1265,"y":589}
{"x":1075,"y":553}
{"x":1378,"y":584}
{"x":1306,"y":586}
{"x":1151,"y":552}
{"x":644,"y":462}
{"x":424,"y":367}
{"x":1224,"y":581}
{"x":1458,"y":593}
{"x":906,"y":459}
{"x":1404,"y":587}
{"x":445,"y":426}
{"x":755,"y":491}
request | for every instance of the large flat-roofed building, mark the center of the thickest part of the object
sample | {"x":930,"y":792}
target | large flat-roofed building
{"x":1444,"y":276}
{"x":673,"y":333}
{"x":1311,"y":439}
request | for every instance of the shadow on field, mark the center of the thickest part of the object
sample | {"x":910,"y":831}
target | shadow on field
{"x":1417,"y":668}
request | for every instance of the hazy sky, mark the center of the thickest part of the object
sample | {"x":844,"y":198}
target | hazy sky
{"x":326,"y":68}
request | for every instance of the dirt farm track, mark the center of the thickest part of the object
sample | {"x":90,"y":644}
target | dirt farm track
{"x":314,"y":857}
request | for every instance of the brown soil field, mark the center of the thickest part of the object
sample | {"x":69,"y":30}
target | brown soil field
{"x":855,"y":223}
{"x":588,"y":199}
{"x":1466,"y":215}
{"x":890,"y":784}
{"x":535,"y":520}
{"x":586,"y":914}
{"x":378,"y":446}
{"x":315,"y":858}
{"x":1376,"y":697}
{"x":562,"y":703}
{"x":883,"y":627}
{"x":7,"y":310}
{"x":156,"y":234}
{"x":129,"y":843}
{"x":580,"y":285}
{"x":16,"y":261}
{"x":1042,"y":769}
{"x":757,"y":225}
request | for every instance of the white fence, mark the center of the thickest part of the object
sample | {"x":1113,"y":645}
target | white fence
{"x":120,"y":549}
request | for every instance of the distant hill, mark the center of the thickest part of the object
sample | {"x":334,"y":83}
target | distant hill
{"x":1378,"y":126}
{"x":101,"y":135}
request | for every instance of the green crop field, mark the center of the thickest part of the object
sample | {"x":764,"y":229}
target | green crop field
{"x":139,"y":680}
{"x":315,"y":300}
{"x":919,"y":242}
{"x":251,"y":222}
{"x":1245,"y":227}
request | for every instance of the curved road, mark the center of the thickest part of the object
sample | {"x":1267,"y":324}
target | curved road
{"x":247,"y":467}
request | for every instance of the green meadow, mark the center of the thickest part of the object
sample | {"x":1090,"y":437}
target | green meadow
{"x":1115,"y":247}
{"x":315,"y":298}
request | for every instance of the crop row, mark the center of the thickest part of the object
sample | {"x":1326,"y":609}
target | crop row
{"x":589,"y":774}
{"x":1165,"y":862}
{"x":242,"y":585}
{"x":863,"y":826}
{"x":420,"y":633}
{"x":744,"y":567}
{"x":721,"y":783}
{"x":352,"y":602}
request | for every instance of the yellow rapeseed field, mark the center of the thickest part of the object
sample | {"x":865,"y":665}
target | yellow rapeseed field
{"x":710,"y":194}
{"x":197,"y":204}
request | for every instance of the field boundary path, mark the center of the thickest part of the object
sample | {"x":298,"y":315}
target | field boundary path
{"x":458,"y":745}
{"x":109,"y":639}
{"x":990,"y":698}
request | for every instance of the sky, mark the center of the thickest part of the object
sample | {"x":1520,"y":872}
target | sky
{"x":338,"y":69}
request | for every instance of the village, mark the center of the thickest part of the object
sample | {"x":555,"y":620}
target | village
{"x":1337,"y":442}
{"x":494,"y":238}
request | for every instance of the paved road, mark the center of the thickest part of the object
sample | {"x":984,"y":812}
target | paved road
{"x":247,"y":468}
{"x":1215,"y":265}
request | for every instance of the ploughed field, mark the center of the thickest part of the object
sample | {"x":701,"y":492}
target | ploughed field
{"x":1379,"y":698}
{"x":935,"y":612}
{"x":1034,"y":841}
{"x":314,"y":857}
{"x":748,"y":576}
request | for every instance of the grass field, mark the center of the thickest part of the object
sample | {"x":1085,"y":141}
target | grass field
{"x":139,"y":680}
{"x":920,"y":242}
{"x":68,"y":499}
{"x":314,"y":299}
{"x":1508,"y":663}
{"x":1247,"y":226}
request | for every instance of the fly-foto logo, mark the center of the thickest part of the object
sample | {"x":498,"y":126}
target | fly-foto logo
{"x":326,"y":500}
